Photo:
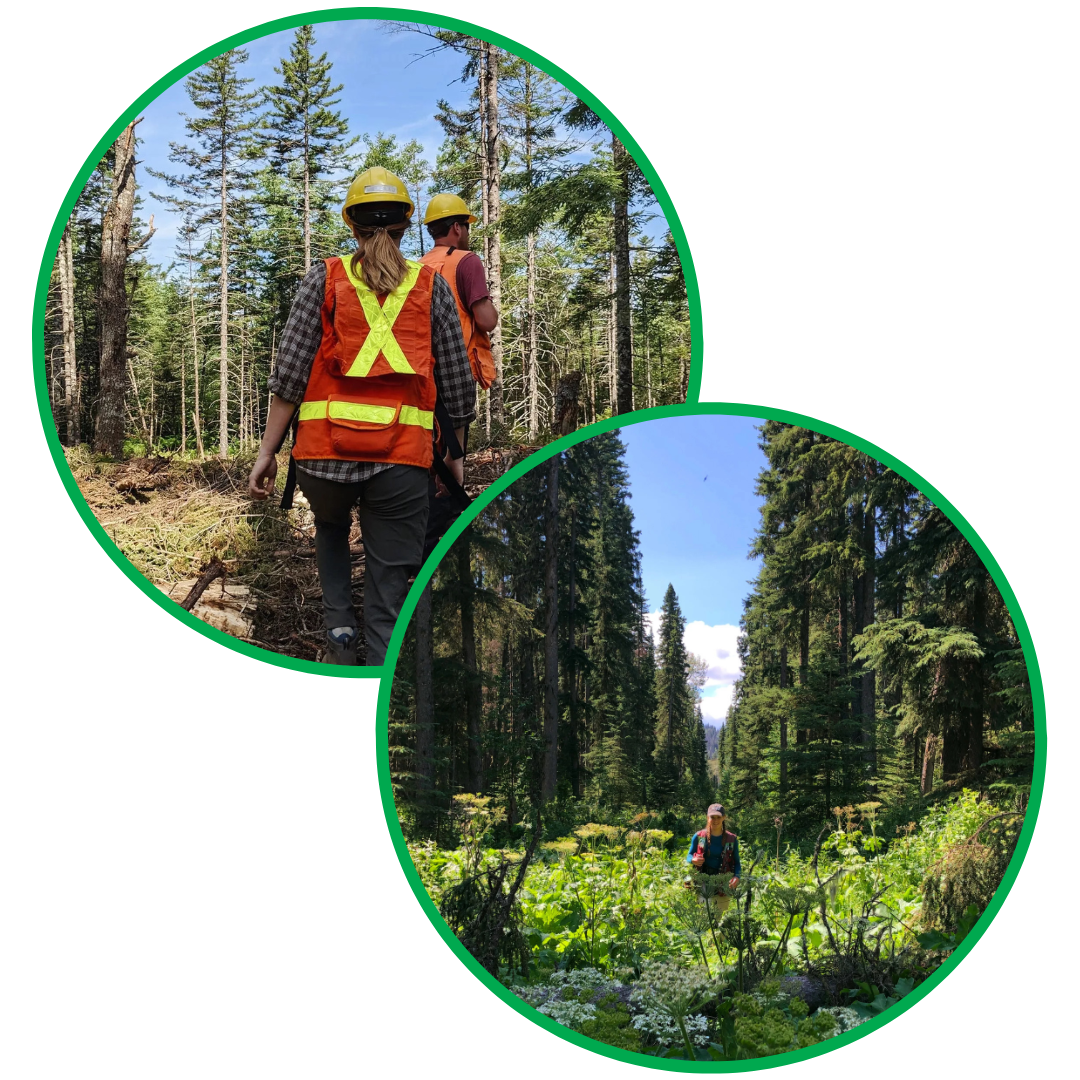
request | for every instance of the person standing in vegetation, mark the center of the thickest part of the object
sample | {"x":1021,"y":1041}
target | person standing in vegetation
{"x":370,"y":345}
{"x":715,"y":850}
{"x":448,"y":219}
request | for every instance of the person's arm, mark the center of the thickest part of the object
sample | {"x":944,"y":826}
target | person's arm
{"x":473,"y":290}
{"x":738,"y":865}
{"x":484,"y":315}
{"x":300,"y":341}
{"x":264,"y":472}
{"x":453,"y":376}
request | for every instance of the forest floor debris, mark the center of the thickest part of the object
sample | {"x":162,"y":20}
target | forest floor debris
{"x":171,"y":516}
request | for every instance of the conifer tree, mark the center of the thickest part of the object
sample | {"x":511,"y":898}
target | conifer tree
{"x":308,"y":138}
{"x":220,"y":169}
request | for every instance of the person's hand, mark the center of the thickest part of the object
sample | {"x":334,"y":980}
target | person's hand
{"x":699,"y":858}
{"x":263,"y":475}
{"x":733,"y":883}
{"x":457,"y":471}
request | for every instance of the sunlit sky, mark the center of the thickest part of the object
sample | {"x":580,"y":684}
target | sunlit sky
{"x":692,"y":480}
{"x":389,"y":85}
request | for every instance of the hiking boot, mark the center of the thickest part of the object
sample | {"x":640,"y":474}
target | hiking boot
{"x":341,"y":645}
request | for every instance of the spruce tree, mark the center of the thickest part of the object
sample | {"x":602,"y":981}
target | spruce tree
{"x":220,"y":171}
{"x":308,"y":138}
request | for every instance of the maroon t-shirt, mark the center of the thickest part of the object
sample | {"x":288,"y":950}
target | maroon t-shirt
{"x":471,"y":280}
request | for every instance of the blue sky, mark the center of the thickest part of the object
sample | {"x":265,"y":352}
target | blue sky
{"x":692,"y":481}
{"x":388,"y":86}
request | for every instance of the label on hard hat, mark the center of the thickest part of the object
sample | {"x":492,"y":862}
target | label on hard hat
{"x":387,"y":189}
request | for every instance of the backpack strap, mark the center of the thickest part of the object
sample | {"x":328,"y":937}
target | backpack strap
{"x":448,"y":437}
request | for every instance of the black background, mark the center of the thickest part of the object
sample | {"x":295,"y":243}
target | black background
{"x":279,"y":764}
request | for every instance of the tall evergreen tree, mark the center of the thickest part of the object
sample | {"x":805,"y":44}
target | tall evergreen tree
{"x":220,"y":170}
{"x":308,"y":137}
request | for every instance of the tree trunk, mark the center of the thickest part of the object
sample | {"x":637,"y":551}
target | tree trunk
{"x":974,"y":754}
{"x":223,"y":359}
{"x":612,"y":337}
{"x":307,"y":201}
{"x":115,"y":232}
{"x":864,"y":617}
{"x":624,"y":398}
{"x":532,"y":362}
{"x":926,"y":782}
{"x":473,"y":702}
{"x":574,"y":748}
{"x":551,"y":631}
{"x":489,"y":72}
{"x":783,"y":723}
{"x":804,"y":655}
{"x":67,"y":321}
{"x":425,"y":704}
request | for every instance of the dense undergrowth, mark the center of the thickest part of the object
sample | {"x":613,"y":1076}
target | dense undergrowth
{"x":609,"y":932}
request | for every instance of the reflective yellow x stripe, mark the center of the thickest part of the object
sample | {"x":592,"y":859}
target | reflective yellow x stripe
{"x":380,"y":322}
{"x":369,"y":414}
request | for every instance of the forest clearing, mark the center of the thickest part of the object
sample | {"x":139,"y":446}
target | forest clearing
{"x":178,"y":520}
{"x":601,"y":934}
{"x":549,"y":759}
{"x":159,"y":339}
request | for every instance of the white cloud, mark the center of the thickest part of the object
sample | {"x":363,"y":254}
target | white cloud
{"x":718,"y":647}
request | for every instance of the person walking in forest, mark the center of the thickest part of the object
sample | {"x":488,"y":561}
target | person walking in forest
{"x":448,"y":219}
{"x":371,"y":349}
{"x":715,"y":850}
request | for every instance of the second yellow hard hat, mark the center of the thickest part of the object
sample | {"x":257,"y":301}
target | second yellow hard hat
{"x":447,"y":205}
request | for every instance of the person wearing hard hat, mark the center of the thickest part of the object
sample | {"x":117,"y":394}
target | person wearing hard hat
{"x":371,"y":343}
{"x":448,"y":219}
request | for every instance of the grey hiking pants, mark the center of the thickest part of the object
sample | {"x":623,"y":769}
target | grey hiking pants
{"x":393,"y":511}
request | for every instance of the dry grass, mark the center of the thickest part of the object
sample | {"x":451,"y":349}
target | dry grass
{"x":171,"y":516}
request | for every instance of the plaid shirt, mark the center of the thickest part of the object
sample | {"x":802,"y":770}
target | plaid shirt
{"x":301,"y":339}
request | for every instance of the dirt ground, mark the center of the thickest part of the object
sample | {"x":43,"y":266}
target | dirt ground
{"x":172,"y":518}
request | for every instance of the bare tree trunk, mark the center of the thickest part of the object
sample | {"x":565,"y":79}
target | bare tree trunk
{"x":307,"y":201}
{"x":223,"y":357}
{"x":425,"y":703}
{"x":551,"y":632}
{"x":533,"y":355}
{"x":67,"y":320}
{"x":624,"y":400}
{"x":115,"y":232}
{"x":183,"y":401}
{"x":194,"y":353}
{"x":489,"y":68}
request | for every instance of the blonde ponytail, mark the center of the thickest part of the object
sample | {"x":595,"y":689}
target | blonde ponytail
{"x":380,"y":262}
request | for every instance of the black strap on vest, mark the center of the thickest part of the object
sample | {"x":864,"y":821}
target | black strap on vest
{"x":448,"y":436}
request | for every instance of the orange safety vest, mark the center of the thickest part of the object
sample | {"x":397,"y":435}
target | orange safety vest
{"x":371,"y":393}
{"x":445,"y":261}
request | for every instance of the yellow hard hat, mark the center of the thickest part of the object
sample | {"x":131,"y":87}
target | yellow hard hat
{"x":447,"y":205}
{"x":376,"y":185}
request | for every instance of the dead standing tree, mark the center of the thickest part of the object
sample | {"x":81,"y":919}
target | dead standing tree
{"x":116,"y":248}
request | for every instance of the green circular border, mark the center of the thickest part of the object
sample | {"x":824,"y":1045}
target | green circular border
{"x":382,"y":749}
{"x":325,"y":15}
